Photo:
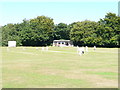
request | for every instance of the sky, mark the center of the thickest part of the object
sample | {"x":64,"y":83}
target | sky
{"x":61,"y":11}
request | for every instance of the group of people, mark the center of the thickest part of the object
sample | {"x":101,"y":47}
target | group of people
{"x":82,"y":50}
{"x":44,"y":48}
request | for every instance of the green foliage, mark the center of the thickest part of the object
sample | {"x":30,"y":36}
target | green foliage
{"x":41,"y":31}
{"x":61,"y":31}
{"x":102,"y":33}
{"x":0,"y":36}
{"x":110,"y":30}
{"x":83,"y":33}
{"x":9,"y":33}
{"x":34,"y":32}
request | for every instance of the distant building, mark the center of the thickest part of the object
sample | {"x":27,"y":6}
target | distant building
{"x":119,"y":8}
{"x":62,"y":43}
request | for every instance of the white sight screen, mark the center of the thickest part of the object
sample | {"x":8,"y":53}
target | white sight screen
{"x":11,"y":43}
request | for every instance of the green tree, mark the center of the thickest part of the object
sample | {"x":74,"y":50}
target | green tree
{"x":0,"y":36}
{"x":61,"y":31}
{"x":37,"y":31}
{"x":110,"y":30}
{"x":84,"y":33}
{"x":9,"y":33}
{"x":41,"y":31}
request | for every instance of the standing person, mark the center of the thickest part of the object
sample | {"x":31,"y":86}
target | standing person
{"x":42,"y":48}
{"x":86,"y":49}
{"x":36,"y":48}
{"x":80,"y":51}
{"x":83,"y":50}
{"x":47,"y":48}
{"x":94,"y":47}
{"x":77,"y":49}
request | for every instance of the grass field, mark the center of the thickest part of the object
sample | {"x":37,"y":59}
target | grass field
{"x":59,"y":68}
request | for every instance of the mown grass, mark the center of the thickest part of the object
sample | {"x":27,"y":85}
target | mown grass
{"x":31,"y":68}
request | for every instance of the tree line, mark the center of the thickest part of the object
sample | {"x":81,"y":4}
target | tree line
{"x":41,"y":31}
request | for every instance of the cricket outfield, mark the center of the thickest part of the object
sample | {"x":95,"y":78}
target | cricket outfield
{"x":30,"y":67}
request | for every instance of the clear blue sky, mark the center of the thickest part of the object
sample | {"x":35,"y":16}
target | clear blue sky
{"x":66,"y":12}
